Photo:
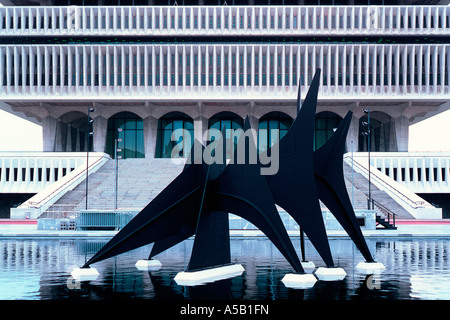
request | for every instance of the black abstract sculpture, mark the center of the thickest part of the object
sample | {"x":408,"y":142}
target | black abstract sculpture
{"x":198,"y":200}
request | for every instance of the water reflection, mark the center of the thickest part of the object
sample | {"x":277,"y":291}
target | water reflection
{"x":38,"y":269}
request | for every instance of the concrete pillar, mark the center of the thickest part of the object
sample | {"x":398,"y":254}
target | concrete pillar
{"x":254,"y":125}
{"x":150,"y":135}
{"x":69,"y":138}
{"x":200,"y":126}
{"x":352,"y":135}
{"x":402,"y":133}
{"x":78,"y":140}
{"x":49,"y":133}
{"x":383,"y":128}
{"x":100,"y":128}
{"x":61,"y":136}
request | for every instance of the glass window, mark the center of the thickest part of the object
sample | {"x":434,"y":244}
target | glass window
{"x":227,"y":120}
{"x":326,"y":124}
{"x":132,"y":135}
{"x":166,"y":126}
{"x":269,"y":122}
{"x":381,"y":127}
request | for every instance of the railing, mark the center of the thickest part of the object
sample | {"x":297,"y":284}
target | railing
{"x":51,"y":193}
{"x":409,"y":198}
{"x":420,"y":172}
{"x":389,"y":214}
{"x":224,"y":20}
{"x":43,"y":198}
{"x":411,"y":202}
{"x":67,"y":217}
{"x":59,"y":211}
{"x":223,"y":71}
{"x":102,"y":220}
{"x":31,"y":172}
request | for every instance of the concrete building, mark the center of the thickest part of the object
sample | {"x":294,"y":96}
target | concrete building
{"x":150,"y":67}
{"x":158,"y":67}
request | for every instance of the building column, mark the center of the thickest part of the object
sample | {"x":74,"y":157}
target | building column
{"x":61,"y":136}
{"x":200,"y":126}
{"x":69,"y":138}
{"x":254,"y":125}
{"x":49,"y":133}
{"x":150,"y":136}
{"x":402,"y":133}
{"x":100,"y":128}
{"x":352,"y":135}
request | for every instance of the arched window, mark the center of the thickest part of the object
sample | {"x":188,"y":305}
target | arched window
{"x":128,"y":128}
{"x":227,"y":120}
{"x":269,"y":122}
{"x":71,"y":132}
{"x":382,"y":137}
{"x":166,"y":126}
{"x":326,"y":123}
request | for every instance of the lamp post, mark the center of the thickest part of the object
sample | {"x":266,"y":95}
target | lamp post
{"x":116,"y":157}
{"x":368,"y":133}
{"x":89,"y":133}
{"x":353,"y":186}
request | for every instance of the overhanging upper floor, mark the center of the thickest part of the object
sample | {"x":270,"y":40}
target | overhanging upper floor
{"x":204,"y":20}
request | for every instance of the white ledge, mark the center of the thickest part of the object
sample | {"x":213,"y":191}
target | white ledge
{"x":370,"y":267}
{"x":195,"y":278}
{"x":84,"y":274}
{"x":330,"y":274}
{"x":308,"y":265}
{"x":299,"y":281}
{"x":150,"y":265}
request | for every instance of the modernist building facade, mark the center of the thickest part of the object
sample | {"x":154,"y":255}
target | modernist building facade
{"x":148,"y":70}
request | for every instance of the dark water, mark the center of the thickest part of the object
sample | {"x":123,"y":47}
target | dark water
{"x":40,"y":269}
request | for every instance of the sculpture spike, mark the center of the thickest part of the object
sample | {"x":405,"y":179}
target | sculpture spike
{"x":331,"y":185}
{"x":195,"y":202}
{"x":294,"y":187}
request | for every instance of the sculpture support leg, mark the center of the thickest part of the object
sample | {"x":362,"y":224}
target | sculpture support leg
{"x":210,"y":258}
{"x":212,"y":241}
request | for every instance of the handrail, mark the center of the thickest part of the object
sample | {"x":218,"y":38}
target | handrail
{"x":58,"y":211}
{"x":386,"y":211}
{"x":70,"y":180}
{"x":404,"y":197}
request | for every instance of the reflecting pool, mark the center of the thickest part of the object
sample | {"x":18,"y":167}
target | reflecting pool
{"x":40,"y":269}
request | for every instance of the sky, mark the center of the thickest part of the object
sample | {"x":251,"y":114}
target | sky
{"x":17,"y":134}
{"x":432,"y":134}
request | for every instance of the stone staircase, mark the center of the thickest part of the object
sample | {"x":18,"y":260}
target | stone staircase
{"x":139,"y":181}
{"x":361,"y":190}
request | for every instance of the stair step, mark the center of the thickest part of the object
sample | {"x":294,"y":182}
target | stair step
{"x":362,"y":184}
{"x":384,"y":223}
{"x":139,"y":181}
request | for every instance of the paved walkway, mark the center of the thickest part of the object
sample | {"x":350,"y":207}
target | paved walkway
{"x":403,"y":230}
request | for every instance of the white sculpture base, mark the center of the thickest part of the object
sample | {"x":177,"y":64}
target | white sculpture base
{"x":84,"y":274}
{"x":299,"y":281}
{"x":150,"y":265}
{"x":370,"y":267}
{"x":195,"y":278}
{"x":330,"y":274}
{"x":308,"y":265}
